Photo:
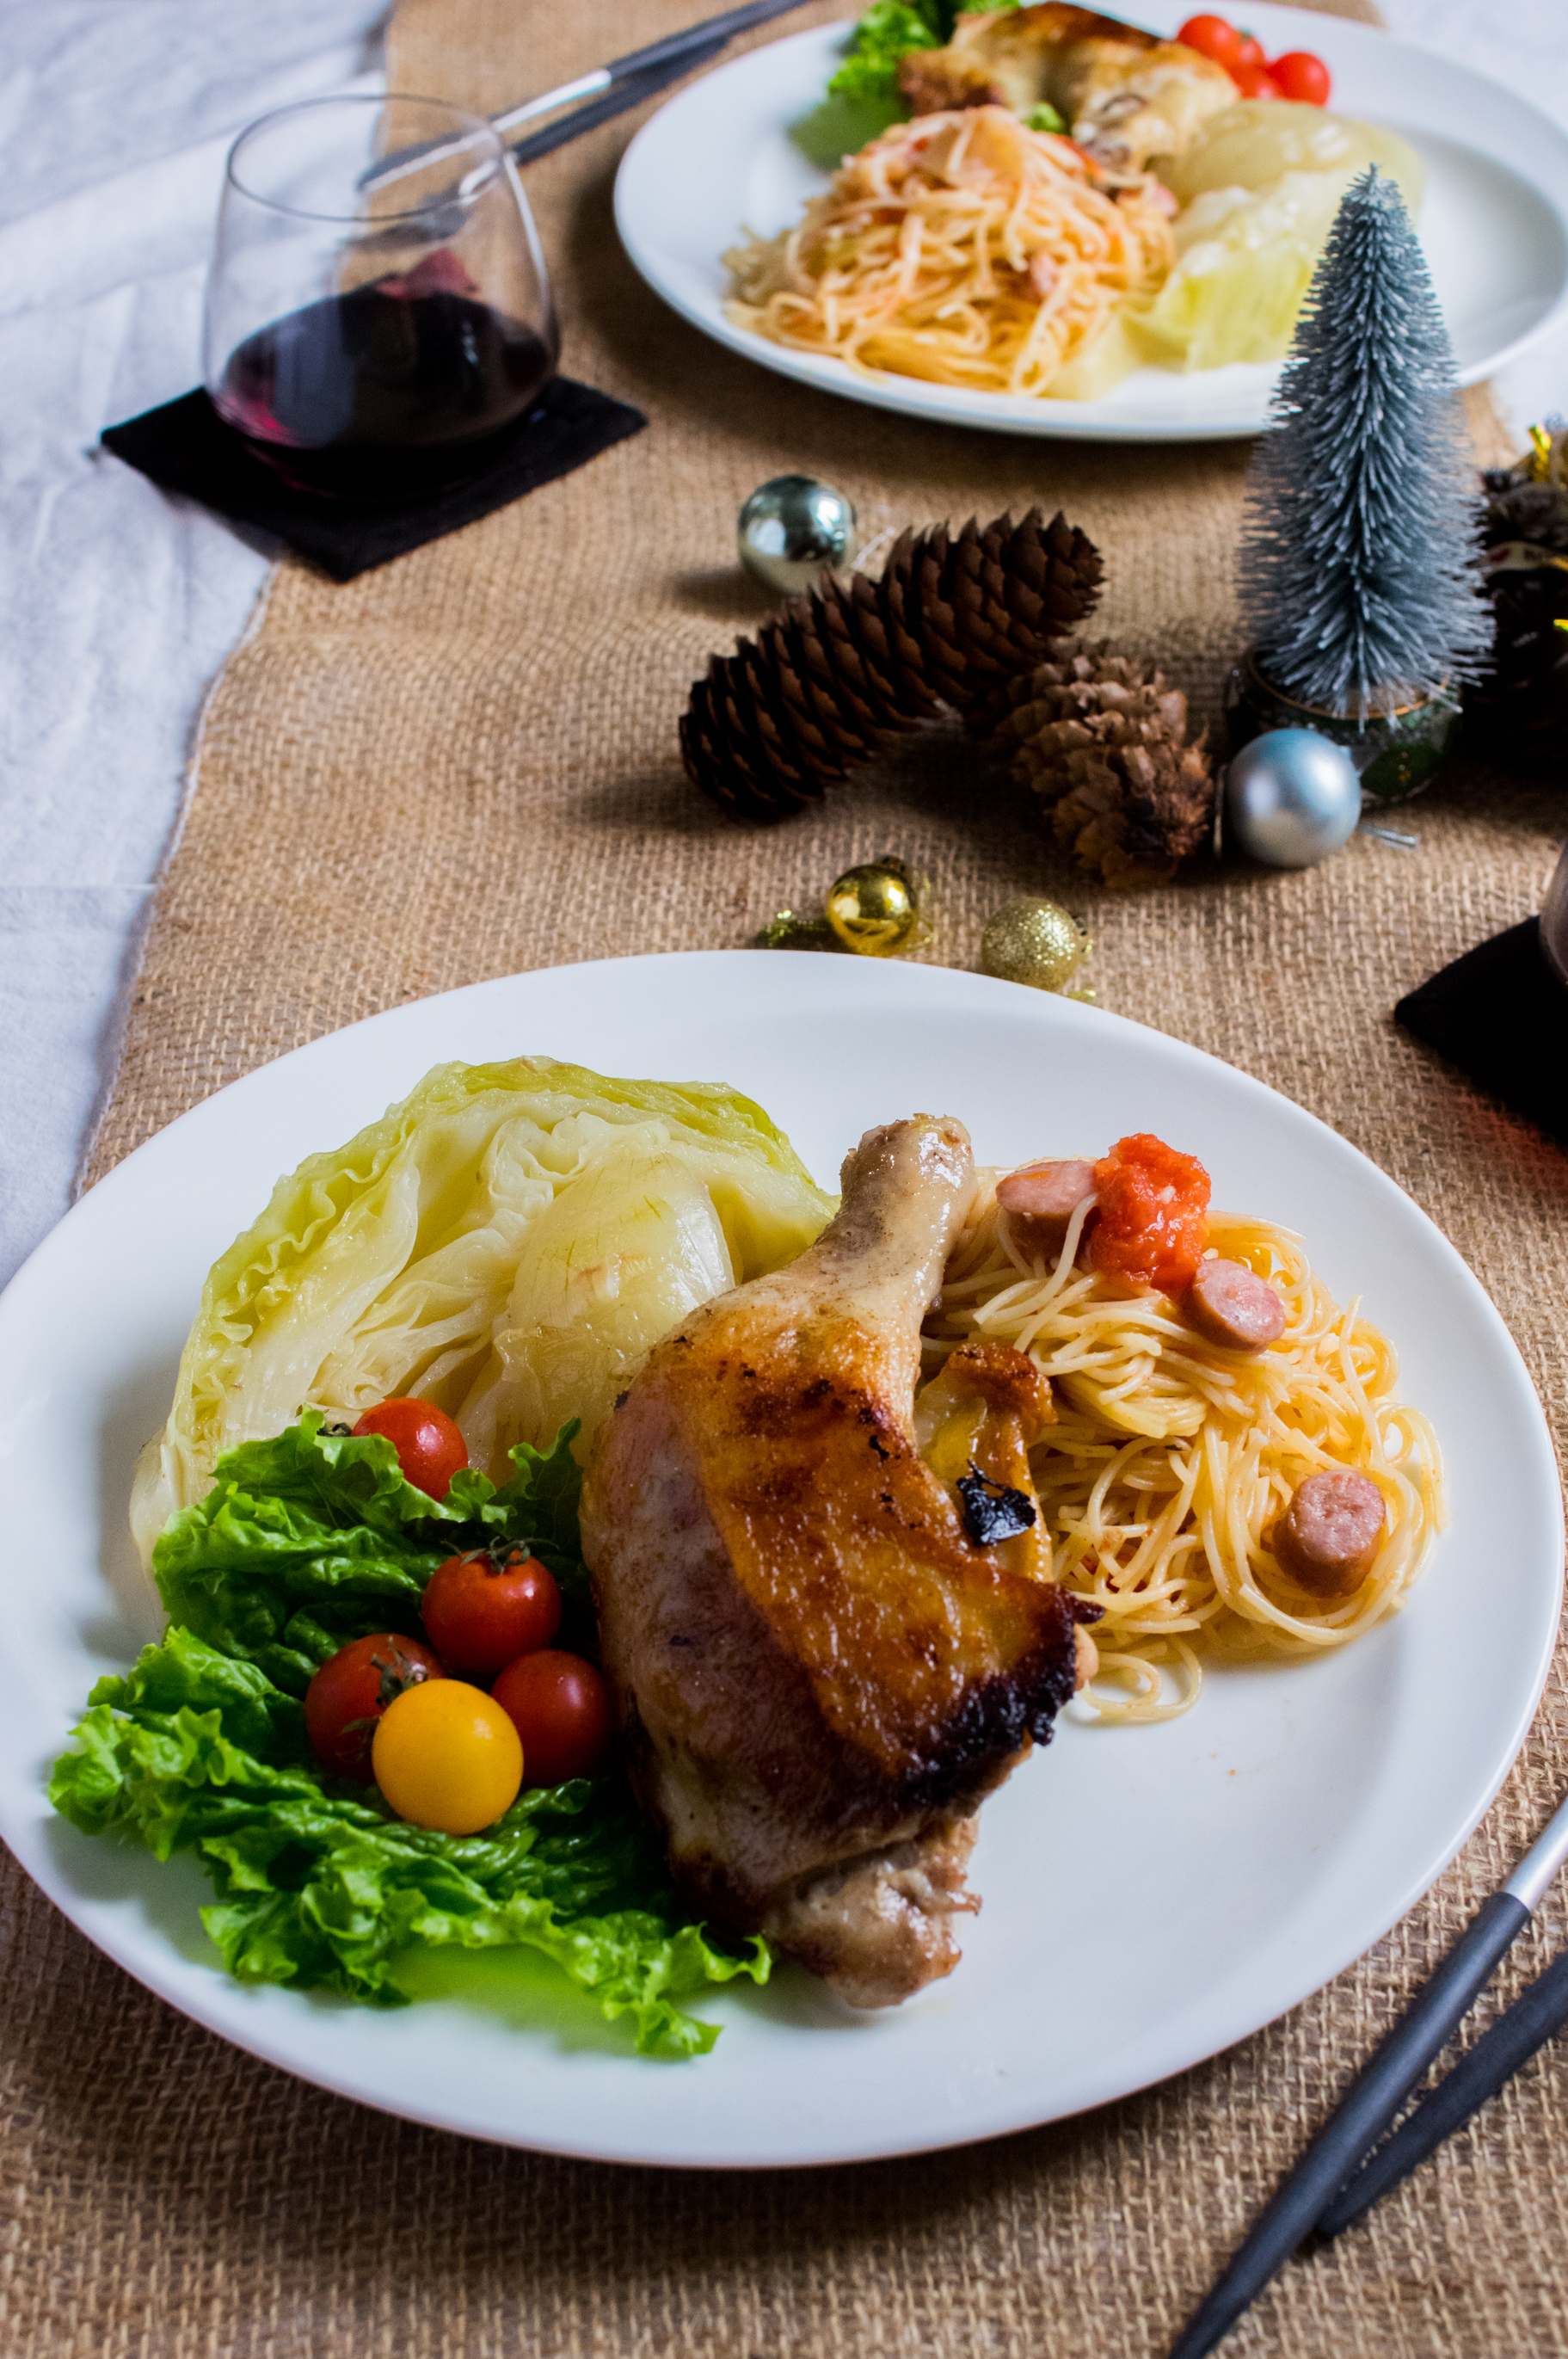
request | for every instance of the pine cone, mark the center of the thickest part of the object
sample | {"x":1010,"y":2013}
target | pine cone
{"x":845,"y":670}
{"x":1518,"y":708}
{"x":1103,"y":741}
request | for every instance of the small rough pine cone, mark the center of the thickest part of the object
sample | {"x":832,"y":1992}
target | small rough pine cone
{"x":1102,"y":740}
{"x":847,"y":667}
{"x":1518,"y":710}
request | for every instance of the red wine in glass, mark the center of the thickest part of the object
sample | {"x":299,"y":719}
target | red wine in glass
{"x":394,"y":391}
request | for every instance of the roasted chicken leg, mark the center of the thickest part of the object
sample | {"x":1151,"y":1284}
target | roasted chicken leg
{"x":1126,"y":96}
{"x":818,"y":1673}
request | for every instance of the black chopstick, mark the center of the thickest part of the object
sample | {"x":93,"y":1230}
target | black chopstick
{"x":1537,"y":2015}
{"x":617,"y":100}
{"x":1309,"y":2193}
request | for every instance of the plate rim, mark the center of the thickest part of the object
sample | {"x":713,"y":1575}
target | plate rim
{"x":24,"y":1834}
{"x":1043,"y":421}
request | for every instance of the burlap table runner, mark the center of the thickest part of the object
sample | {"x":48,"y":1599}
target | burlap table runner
{"x":464,"y":765}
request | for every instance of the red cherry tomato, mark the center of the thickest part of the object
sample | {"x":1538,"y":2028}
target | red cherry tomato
{"x":479,"y":1614}
{"x":429,"y":1448}
{"x":1249,"y":55}
{"x":560,"y":1706}
{"x":349,"y":1694}
{"x":1212,"y":37}
{"x":1301,"y":77}
{"x":1255,"y":82}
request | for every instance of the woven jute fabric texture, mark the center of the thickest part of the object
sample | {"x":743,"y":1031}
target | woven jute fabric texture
{"x":464,"y":765}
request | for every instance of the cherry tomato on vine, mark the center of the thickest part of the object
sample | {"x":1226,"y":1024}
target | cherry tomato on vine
{"x":429,"y":1448}
{"x":1301,"y":77}
{"x":1212,"y":37}
{"x":560,"y":1706}
{"x":446,"y":1757}
{"x":349,"y":1694}
{"x":478,"y":1613}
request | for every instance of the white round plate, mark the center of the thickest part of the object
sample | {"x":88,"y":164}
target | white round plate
{"x":1494,"y":223}
{"x":1151,"y":1894}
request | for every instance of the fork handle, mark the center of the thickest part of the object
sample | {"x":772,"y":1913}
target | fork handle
{"x":714,"y":28}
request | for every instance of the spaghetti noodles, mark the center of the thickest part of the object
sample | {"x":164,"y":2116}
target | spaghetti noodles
{"x":1173,"y":1458}
{"x":962,"y":248}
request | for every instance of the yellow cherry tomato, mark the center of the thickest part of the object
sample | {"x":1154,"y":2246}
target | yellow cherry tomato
{"x":454,"y":1765}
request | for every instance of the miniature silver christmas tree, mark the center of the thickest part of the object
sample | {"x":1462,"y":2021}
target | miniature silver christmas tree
{"x":1357,"y":573}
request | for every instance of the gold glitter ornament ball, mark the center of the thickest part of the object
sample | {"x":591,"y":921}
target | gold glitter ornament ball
{"x":874,"y":909}
{"x":1033,"y":941}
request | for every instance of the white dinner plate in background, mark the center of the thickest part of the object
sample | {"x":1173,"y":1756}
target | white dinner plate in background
{"x":1494,"y":220}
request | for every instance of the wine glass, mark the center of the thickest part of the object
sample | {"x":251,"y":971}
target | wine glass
{"x":378,"y":311}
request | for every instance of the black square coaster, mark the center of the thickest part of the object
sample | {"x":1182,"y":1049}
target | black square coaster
{"x":1500,"y":1013}
{"x":185,"y":447}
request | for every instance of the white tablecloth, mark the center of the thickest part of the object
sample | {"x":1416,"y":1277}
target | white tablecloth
{"x":117,"y":605}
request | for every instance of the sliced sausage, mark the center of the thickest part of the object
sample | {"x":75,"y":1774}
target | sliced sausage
{"x":1232,"y":1307}
{"x":1040,"y":1198}
{"x":1331,"y":1531}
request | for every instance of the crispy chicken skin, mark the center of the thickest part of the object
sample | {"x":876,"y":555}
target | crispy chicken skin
{"x":817,"y":1673}
{"x":1124,"y":94}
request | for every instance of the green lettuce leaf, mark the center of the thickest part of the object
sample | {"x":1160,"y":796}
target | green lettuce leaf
{"x":303,"y":1543}
{"x":318,"y":1885}
{"x":315,"y":1538}
{"x":864,"y":97}
{"x":882,"y":38}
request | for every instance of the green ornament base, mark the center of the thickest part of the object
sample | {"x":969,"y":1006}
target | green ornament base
{"x":1398,"y":753}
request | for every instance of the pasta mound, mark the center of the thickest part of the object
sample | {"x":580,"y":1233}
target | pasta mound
{"x":1173,"y":1459}
{"x":962,"y":248}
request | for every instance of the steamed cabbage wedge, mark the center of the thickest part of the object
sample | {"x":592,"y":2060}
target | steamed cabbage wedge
{"x":509,"y":1242}
{"x":1258,"y":190}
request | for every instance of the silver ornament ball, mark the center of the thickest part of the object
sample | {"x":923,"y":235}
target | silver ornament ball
{"x":1291,"y":798}
{"x":792,"y":528}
